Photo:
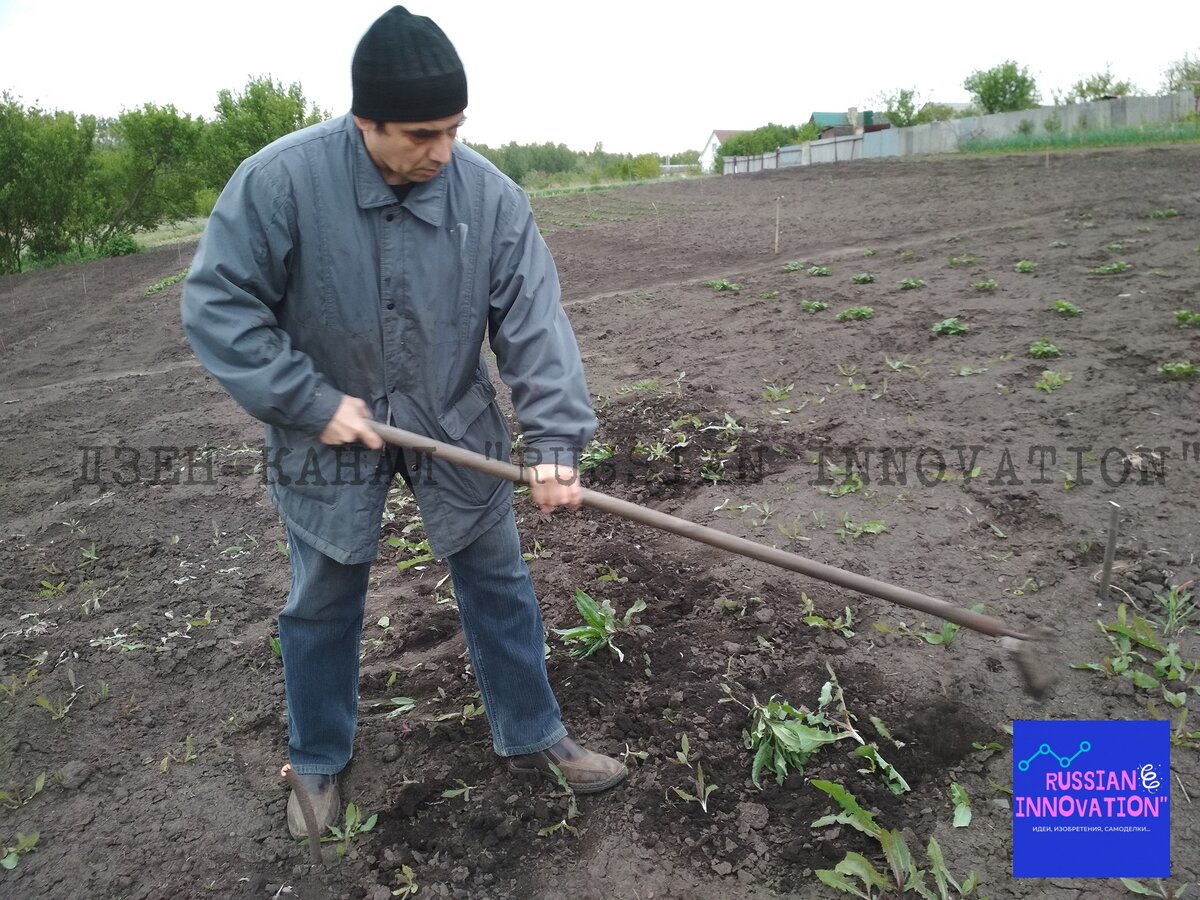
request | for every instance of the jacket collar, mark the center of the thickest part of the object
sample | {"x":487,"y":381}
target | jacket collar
{"x":425,"y":201}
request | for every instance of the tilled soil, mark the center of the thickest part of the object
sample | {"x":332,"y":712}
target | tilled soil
{"x":141,"y":564}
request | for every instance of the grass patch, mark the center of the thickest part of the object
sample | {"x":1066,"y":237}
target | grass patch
{"x":1173,"y":133}
{"x":171,"y":233}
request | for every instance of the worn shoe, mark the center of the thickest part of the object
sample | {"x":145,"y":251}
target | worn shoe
{"x":326,"y":803}
{"x":585,"y":772}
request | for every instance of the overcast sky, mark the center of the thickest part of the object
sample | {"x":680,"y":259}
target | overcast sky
{"x":638,"y":76}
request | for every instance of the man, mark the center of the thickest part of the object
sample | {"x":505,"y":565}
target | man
{"x":350,"y":272}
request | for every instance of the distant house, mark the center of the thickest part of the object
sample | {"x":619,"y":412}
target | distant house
{"x":825,"y":120}
{"x":836,"y":124}
{"x":709,"y":153}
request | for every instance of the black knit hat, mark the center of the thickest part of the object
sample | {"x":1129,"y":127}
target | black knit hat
{"x":406,"y":70}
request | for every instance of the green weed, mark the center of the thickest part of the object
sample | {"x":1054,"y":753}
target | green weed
{"x":1131,"y":638}
{"x":600,"y":626}
{"x":855,"y":313}
{"x":407,"y":882}
{"x":776,"y":394}
{"x":397,"y":706}
{"x":10,"y":854}
{"x":1164,"y":891}
{"x":167,"y":282}
{"x":962,"y":805}
{"x":1025,"y":266}
{"x":985,"y":286}
{"x":1043,"y":349}
{"x":1187,"y":319}
{"x":571,"y":812}
{"x":352,"y":827}
{"x":1112,"y":268}
{"x":15,"y":798}
{"x":819,"y":271}
{"x":1164,"y":213}
{"x":956,"y":261}
{"x":58,"y":709}
{"x":813,"y":619}
{"x":1050,"y":381}
{"x":703,"y":789}
{"x":188,"y":755}
{"x":782,"y":737}
{"x":863,"y":278}
{"x":794,"y":266}
{"x":858,"y":529}
{"x":49,"y":590}
{"x":1066,"y":308}
{"x":595,"y":454}
{"x":1179,"y":370}
{"x":645,"y":386}
{"x":466,"y":714}
{"x":1177,"y":608}
{"x":950,"y":326}
{"x":850,"y":482}
{"x":463,"y":790}
{"x":902,"y":873}
{"x":723,"y":284}
{"x":911,"y":284}
{"x":813,"y":306}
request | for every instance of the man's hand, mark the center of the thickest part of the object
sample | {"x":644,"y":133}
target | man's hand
{"x":552,"y":485}
{"x":349,"y":424}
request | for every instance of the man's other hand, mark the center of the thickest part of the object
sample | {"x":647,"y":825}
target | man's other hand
{"x":552,"y":485}
{"x":349,"y":424}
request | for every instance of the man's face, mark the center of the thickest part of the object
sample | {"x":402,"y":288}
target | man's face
{"x":408,"y":152}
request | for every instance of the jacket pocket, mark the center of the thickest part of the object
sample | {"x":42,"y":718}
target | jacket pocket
{"x":476,"y":423}
{"x":458,"y":418}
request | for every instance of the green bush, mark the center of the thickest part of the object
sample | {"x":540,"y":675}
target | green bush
{"x":119,"y":245}
{"x":204,"y":200}
{"x":1003,"y":88}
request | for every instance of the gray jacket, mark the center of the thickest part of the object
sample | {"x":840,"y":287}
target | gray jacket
{"x":311,"y":281}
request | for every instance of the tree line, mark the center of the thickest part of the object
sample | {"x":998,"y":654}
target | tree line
{"x":81,"y":186}
{"x":539,"y":166}
{"x":1003,"y":88}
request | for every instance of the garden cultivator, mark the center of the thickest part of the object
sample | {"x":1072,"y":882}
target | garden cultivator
{"x":1022,"y":644}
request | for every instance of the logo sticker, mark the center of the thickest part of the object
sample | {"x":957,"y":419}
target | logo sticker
{"x":1091,"y":799}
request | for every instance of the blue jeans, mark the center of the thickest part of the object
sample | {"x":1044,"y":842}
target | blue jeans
{"x":320,"y":629}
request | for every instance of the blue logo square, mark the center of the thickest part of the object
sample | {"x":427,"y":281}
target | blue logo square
{"x":1091,"y":799}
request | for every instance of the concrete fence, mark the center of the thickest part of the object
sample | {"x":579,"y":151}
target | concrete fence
{"x":949,"y":136}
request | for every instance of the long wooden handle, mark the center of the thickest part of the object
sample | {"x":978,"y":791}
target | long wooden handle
{"x":714,"y":538}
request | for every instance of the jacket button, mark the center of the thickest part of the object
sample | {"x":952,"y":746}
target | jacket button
{"x":391,"y":306}
{"x":391,"y":216}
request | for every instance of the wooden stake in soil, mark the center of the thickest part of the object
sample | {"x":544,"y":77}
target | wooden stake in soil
{"x":288,"y":774}
{"x":777,"y":200}
{"x":1110,"y":549}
